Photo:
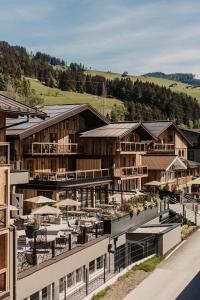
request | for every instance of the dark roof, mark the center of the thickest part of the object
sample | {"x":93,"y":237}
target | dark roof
{"x":162,"y":162}
{"x":118,"y":130}
{"x":13,"y":108}
{"x":191,"y":164}
{"x":156,"y":128}
{"x":55,"y":113}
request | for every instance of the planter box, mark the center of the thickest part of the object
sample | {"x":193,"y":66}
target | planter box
{"x":120,"y":225}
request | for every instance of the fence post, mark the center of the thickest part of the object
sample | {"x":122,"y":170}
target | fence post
{"x":53,"y":248}
{"x":86,"y":281}
{"x":34,"y":249}
{"x":70,"y":241}
{"x":104,"y":268}
{"x":183,"y":220}
{"x":196,"y":214}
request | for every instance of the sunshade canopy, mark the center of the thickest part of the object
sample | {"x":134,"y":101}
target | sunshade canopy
{"x":46,"y":210}
{"x":40,"y":200}
{"x":67,"y":202}
{"x":194,"y":181}
{"x":153,"y":183}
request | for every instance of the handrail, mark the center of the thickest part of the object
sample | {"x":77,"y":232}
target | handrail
{"x":134,"y":171}
{"x":50,"y":148}
{"x":132,"y":147}
{"x":162,"y":147}
{"x":72,"y":175}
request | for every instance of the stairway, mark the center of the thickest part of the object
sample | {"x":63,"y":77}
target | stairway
{"x":189,"y":214}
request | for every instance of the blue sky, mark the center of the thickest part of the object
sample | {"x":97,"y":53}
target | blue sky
{"x":134,"y":35}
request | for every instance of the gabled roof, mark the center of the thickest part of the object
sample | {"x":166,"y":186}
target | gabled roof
{"x":163,"y":162}
{"x":13,"y":108}
{"x":115,"y":130}
{"x":158,"y":127}
{"x":55,"y":114}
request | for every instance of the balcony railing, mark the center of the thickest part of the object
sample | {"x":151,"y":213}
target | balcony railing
{"x":72,"y":175}
{"x":50,"y":148}
{"x":4,"y":153}
{"x":139,"y":171}
{"x":162,"y":148}
{"x":132,"y":147}
{"x":2,"y":217}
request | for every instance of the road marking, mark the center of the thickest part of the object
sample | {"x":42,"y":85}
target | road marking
{"x":175,"y":249}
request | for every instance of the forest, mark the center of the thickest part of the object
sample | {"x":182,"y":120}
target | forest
{"x":143,"y":100}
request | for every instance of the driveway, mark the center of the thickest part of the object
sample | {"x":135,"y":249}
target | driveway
{"x":177,"y":277}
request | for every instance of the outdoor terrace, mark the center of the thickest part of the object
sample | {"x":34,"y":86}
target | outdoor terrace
{"x":85,"y":175}
{"x":132,"y":147}
{"x":139,"y":171}
{"x":158,"y":147}
{"x":37,"y":148}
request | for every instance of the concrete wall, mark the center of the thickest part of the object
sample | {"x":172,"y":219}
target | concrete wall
{"x":169,"y":240}
{"x":52,"y":273}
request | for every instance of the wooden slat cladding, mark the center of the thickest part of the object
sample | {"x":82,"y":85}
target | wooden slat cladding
{"x":88,"y":164}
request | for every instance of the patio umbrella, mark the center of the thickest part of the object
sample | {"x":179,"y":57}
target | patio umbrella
{"x":194,"y":181}
{"x":67,"y":202}
{"x":153,"y":183}
{"x":40,"y":200}
{"x":46,"y":210}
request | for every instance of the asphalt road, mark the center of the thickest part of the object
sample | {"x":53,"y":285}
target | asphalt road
{"x":177,"y":277}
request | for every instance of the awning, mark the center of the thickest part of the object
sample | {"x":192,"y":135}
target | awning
{"x":67,"y":202}
{"x":194,"y":181}
{"x":153,"y":183}
{"x":40,"y":200}
{"x":46,"y":210}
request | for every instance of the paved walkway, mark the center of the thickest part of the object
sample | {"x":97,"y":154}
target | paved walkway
{"x":178,"y":277}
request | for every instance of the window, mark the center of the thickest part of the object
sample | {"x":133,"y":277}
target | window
{"x":35,"y":296}
{"x":92,"y":267}
{"x":45,"y":293}
{"x":191,"y":155}
{"x":70,"y":280}
{"x":79,"y":275}
{"x":100,"y":263}
{"x":62,"y":283}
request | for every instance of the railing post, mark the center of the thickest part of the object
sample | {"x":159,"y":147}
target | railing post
{"x":184,"y":217}
{"x":70,"y":241}
{"x":104,"y":268}
{"x":86,"y":281}
{"x":53,"y":248}
{"x":35,"y":249}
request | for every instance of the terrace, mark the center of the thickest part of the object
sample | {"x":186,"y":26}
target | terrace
{"x":48,"y":232}
{"x":158,"y":147}
{"x":37,"y":148}
{"x":132,"y":147}
{"x":72,"y":176}
{"x":139,"y":171}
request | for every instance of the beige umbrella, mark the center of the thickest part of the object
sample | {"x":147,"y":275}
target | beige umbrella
{"x":67,"y":202}
{"x":40,"y":200}
{"x":46,"y":210}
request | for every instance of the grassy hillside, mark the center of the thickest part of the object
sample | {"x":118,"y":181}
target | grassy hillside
{"x":55,"y":96}
{"x":177,"y":86}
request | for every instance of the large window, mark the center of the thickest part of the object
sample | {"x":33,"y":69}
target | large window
{"x":70,"y":280}
{"x":92,"y":267}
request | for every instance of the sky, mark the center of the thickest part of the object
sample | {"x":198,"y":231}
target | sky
{"x":137,"y":36}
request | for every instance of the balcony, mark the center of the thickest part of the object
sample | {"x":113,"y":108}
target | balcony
{"x":132,"y":147}
{"x":2,"y":217}
{"x":73,"y":176}
{"x":166,"y":148}
{"x":140,"y":171}
{"x":4,"y":153}
{"x":50,"y":149}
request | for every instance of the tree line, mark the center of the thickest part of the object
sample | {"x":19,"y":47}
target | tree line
{"x":143,"y":100}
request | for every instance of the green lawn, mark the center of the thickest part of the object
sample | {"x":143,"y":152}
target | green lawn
{"x":53,"y":96}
